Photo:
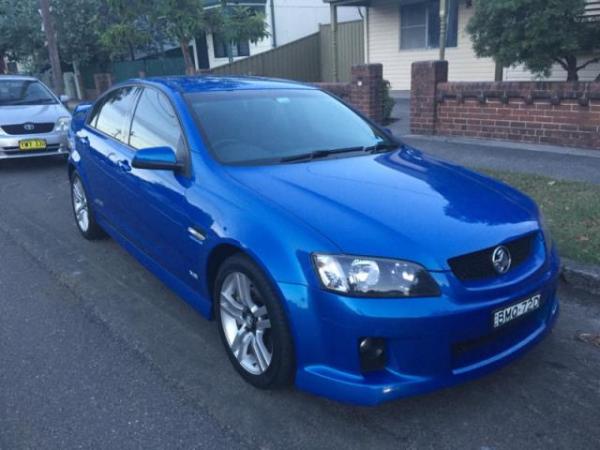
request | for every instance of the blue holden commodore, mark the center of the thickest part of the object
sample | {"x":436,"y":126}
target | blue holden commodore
{"x":330,"y":254}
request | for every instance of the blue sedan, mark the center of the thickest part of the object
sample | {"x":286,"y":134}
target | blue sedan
{"x":329,"y":254}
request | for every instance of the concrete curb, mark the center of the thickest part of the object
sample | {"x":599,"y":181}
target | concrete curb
{"x":497,"y":143}
{"x":581,"y":276}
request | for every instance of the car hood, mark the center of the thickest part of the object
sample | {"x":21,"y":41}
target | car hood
{"x":399,"y":205}
{"x":19,"y":114}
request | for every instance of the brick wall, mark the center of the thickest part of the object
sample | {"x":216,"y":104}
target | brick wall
{"x":364,"y":91}
{"x":558,"y":113}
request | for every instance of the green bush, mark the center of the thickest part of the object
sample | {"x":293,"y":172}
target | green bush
{"x":388,"y":101}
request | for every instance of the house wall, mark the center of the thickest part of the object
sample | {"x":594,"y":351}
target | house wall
{"x":294,"y":19}
{"x":384,"y":47}
{"x":519,"y":73}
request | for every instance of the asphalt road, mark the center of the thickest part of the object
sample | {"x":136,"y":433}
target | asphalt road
{"x":96,"y":353}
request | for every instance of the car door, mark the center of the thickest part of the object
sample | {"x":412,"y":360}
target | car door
{"x":159,"y":211}
{"x":100,"y":143}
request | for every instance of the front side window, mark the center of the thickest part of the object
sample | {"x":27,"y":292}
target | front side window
{"x":111,"y":117}
{"x":25,"y":92}
{"x":155,"y":123}
{"x":420,"y":25}
{"x":266,"y":126}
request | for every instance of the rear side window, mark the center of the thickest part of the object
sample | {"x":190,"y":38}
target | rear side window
{"x":111,"y":117}
{"x":155,"y":123}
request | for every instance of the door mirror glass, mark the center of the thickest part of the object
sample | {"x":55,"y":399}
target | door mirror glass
{"x":156,"y":158}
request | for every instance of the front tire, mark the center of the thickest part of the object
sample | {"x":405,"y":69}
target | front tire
{"x":252,"y":324}
{"x":82,"y":211}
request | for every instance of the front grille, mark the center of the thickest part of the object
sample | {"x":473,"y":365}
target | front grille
{"x":34,"y":128}
{"x":473,"y":266}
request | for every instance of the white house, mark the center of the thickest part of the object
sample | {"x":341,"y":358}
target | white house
{"x":287,"y":20}
{"x":400,"y":32}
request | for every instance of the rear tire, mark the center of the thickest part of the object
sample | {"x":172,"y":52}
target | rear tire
{"x":252,"y":324}
{"x":85,"y":218}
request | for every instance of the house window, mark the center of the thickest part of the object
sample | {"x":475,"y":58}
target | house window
{"x":420,"y":25}
{"x":237,"y":48}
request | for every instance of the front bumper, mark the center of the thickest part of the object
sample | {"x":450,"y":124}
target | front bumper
{"x":431,"y":343}
{"x":56,"y":145}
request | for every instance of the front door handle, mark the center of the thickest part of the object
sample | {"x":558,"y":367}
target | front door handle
{"x":124,"y":165}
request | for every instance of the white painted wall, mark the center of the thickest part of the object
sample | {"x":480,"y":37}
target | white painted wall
{"x":384,"y":47}
{"x":294,"y":19}
{"x":519,"y":73}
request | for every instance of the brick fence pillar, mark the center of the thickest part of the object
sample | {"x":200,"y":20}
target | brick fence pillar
{"x":425,"y":76}
{"x":102,"y":82}
{"x":366,"y":90}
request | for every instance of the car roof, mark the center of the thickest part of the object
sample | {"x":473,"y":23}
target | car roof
{"x":18,"y":77}
{"x":204,"y":83}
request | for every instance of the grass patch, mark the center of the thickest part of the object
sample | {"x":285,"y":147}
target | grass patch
{"x":572,"y":211}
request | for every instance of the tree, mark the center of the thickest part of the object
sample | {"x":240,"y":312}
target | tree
{"x":237,"y":24}
{"x":182,"y":20}
{"x":21,"y":38}
{"x":79,"y":26}
{"x":536,"y":33}
{"x":128,"y":28}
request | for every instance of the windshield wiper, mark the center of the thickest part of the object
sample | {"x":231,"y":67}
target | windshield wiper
{"x":380,"y":147}
{"x":316,"y":154}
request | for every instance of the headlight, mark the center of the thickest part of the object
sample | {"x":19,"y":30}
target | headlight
{"x":374,"y":277}
{"x":546,"y":234}
{"x":63,"y":124}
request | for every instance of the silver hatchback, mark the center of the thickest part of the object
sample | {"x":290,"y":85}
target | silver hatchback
{"x":33,"y":121}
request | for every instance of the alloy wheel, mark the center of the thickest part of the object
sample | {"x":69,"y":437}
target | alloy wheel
{"x":80,"y":205}
{"x":246,"y":324}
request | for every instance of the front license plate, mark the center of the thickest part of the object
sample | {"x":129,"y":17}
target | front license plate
{"x":32,"y":144}
{"x":509,"y":313}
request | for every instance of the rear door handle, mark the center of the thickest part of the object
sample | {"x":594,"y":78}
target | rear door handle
{"x":124,"y":165}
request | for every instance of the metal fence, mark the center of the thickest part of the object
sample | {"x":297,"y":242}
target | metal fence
{"x":351,"y":49}
{"x":125,"y":70}
{"x":308,"y":59}
{"x":297,"y":60}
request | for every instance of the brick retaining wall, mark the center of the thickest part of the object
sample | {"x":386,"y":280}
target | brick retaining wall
{"x":558,"y":113}
{"x":364,"y":91}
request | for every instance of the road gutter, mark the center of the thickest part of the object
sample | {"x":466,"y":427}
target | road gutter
{"x":581,"y":276}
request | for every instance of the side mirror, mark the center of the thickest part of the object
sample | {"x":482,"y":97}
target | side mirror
{"x":64,"y":98}
{"x":156,"y":158}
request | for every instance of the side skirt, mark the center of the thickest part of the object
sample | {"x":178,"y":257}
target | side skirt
{"x":197,"y":301}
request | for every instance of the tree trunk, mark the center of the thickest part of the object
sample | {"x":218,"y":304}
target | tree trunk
{"x":190,"y":69}
{"x":2,"y":65}
{"x":131,"y":52}
{"x":48,"y":22}
{"x":572,"y":74}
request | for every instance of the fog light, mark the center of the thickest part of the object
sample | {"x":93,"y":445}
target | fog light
{"x":372,"y":354}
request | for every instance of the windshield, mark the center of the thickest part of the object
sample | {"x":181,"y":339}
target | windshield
{"x":270,"y":126}
{"x":24,"y":92}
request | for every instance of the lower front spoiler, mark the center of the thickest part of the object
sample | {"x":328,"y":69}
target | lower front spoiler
{"x":390,"y":385}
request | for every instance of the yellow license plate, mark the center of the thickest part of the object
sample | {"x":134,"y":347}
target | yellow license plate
{"x":32,"y":144}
